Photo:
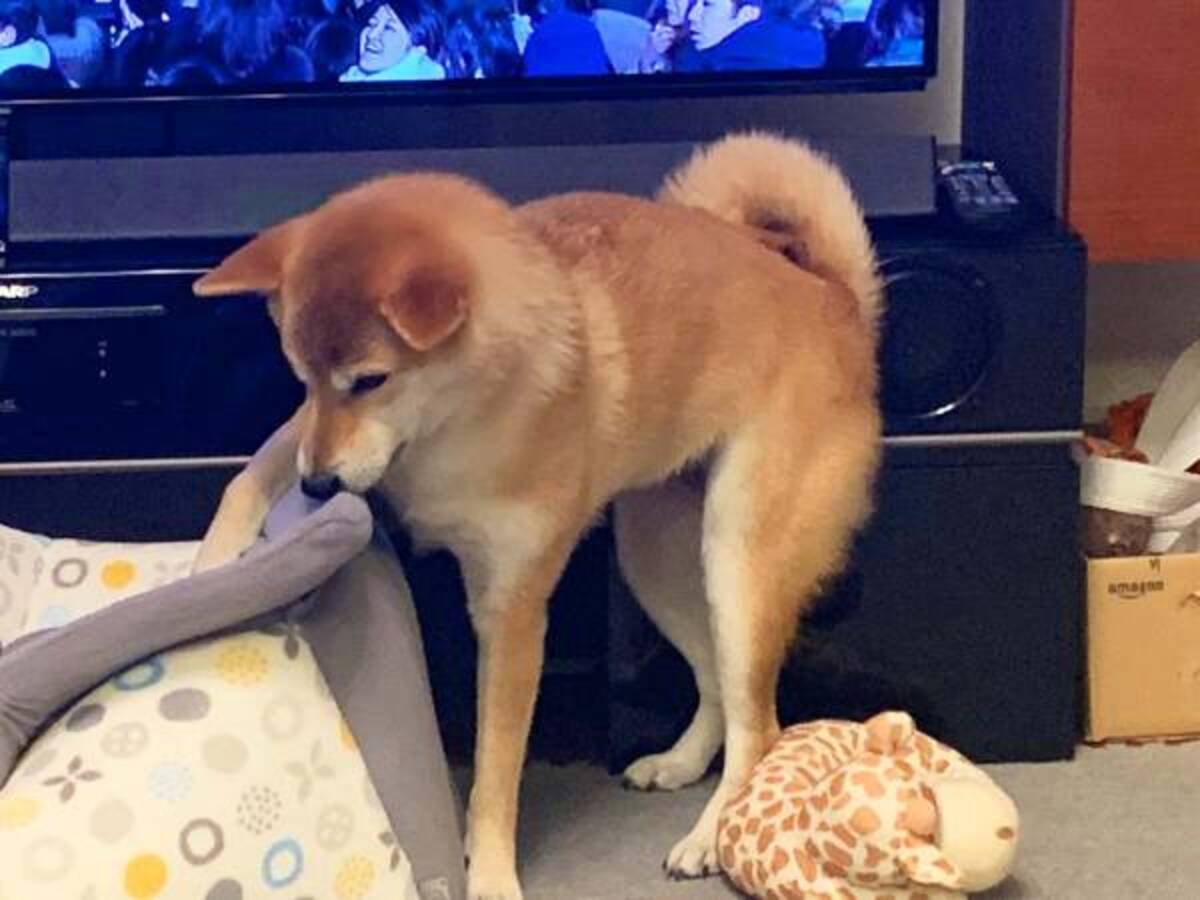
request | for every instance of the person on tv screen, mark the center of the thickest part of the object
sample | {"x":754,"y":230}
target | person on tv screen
{"x":623,"y":33}
{"x":248,"y":40}
{"x":484,"y":40}
{"x":144,"y":44}
{"x":566,"y":41}
{"x":668,"y":35}
{"x":19,"y":43}
{"x":400,"y":42}
{"x":752,"y":35}
{"x":332,"y":47}
{"x":193,"y":74}
{"x":78,"y":43}
{"x":135,"y":15}
{"x":896,"y":33}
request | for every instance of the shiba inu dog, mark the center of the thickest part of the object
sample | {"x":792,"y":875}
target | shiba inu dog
{"x":503,"y":373}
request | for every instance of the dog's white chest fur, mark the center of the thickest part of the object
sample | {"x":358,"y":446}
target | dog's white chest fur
{"x":448,"y":500}
{"x":437,"y":498}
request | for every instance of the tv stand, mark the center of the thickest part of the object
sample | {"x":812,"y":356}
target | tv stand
{"x":232,"y":196}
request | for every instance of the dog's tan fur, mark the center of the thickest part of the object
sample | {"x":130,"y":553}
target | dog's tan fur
{"x":545,"y":360}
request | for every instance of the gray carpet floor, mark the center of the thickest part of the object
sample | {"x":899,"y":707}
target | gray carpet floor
{"x":1117,"y":823}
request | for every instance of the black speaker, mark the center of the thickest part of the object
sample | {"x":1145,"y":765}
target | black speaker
{"x":981,"y":336}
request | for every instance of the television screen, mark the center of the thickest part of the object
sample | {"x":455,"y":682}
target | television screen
{"x":93,"y":48}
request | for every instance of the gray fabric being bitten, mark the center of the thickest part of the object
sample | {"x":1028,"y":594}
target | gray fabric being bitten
{"x":364,"y":633}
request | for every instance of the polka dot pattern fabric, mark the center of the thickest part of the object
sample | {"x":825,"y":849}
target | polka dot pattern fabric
{"x":20,"y":567}
{"x":221,"y":770}
{"x":76,"y":577}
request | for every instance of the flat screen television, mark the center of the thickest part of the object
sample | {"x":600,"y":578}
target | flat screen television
{"x":94,"y":50}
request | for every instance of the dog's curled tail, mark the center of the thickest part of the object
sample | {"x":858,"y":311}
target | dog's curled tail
{"x":785,"y":187}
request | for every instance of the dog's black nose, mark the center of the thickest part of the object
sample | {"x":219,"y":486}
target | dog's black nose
{"x":321,"y":487}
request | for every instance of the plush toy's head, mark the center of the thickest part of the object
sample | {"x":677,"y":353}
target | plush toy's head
{"x":878,"y":805}
{"x":960,"y":810}
{"x":976,"y":830}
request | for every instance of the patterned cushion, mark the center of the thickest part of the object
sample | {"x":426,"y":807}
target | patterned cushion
{"x":20,"y":566}
{"x":78,"y":577}
{"x":215,"y":771}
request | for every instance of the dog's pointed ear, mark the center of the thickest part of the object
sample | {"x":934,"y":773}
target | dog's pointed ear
{"x":256,"y":268}
{"x":431,"y":304}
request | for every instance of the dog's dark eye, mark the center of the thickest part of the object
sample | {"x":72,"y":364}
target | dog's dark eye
{"x":364,"y":384}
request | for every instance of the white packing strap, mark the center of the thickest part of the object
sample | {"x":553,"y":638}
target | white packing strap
{"x":1161,"y":489}
{"x":1137,"y":488}
{"x":1176,"y":533}
{"x":1184,"y":447}
{"x":1171,"y":422}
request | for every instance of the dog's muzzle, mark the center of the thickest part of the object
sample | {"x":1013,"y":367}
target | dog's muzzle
{"x":320,"y":487}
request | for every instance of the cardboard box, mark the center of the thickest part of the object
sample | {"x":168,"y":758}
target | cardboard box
{"x":1143,"y":641}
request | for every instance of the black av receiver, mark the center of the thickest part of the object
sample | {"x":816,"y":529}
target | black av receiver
{"x":118,"y":364}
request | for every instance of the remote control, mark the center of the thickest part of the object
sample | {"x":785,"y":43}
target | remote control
{"x":976,"y":195}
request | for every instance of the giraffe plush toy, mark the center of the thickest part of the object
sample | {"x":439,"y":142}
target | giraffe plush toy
{"x":874,"y":811}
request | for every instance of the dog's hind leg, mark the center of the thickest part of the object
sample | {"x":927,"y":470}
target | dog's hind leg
{"x":778,"y":518}
{"x":658,"y":547}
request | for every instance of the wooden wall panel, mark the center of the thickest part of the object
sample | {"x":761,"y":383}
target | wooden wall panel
{"x":1134,"y":140}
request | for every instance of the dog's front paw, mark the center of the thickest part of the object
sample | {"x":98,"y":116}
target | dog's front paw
{"x":222,"y":545}
{"x":693,"y":857}
{"x":668,"y":771}
{"x":493,"y":884}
